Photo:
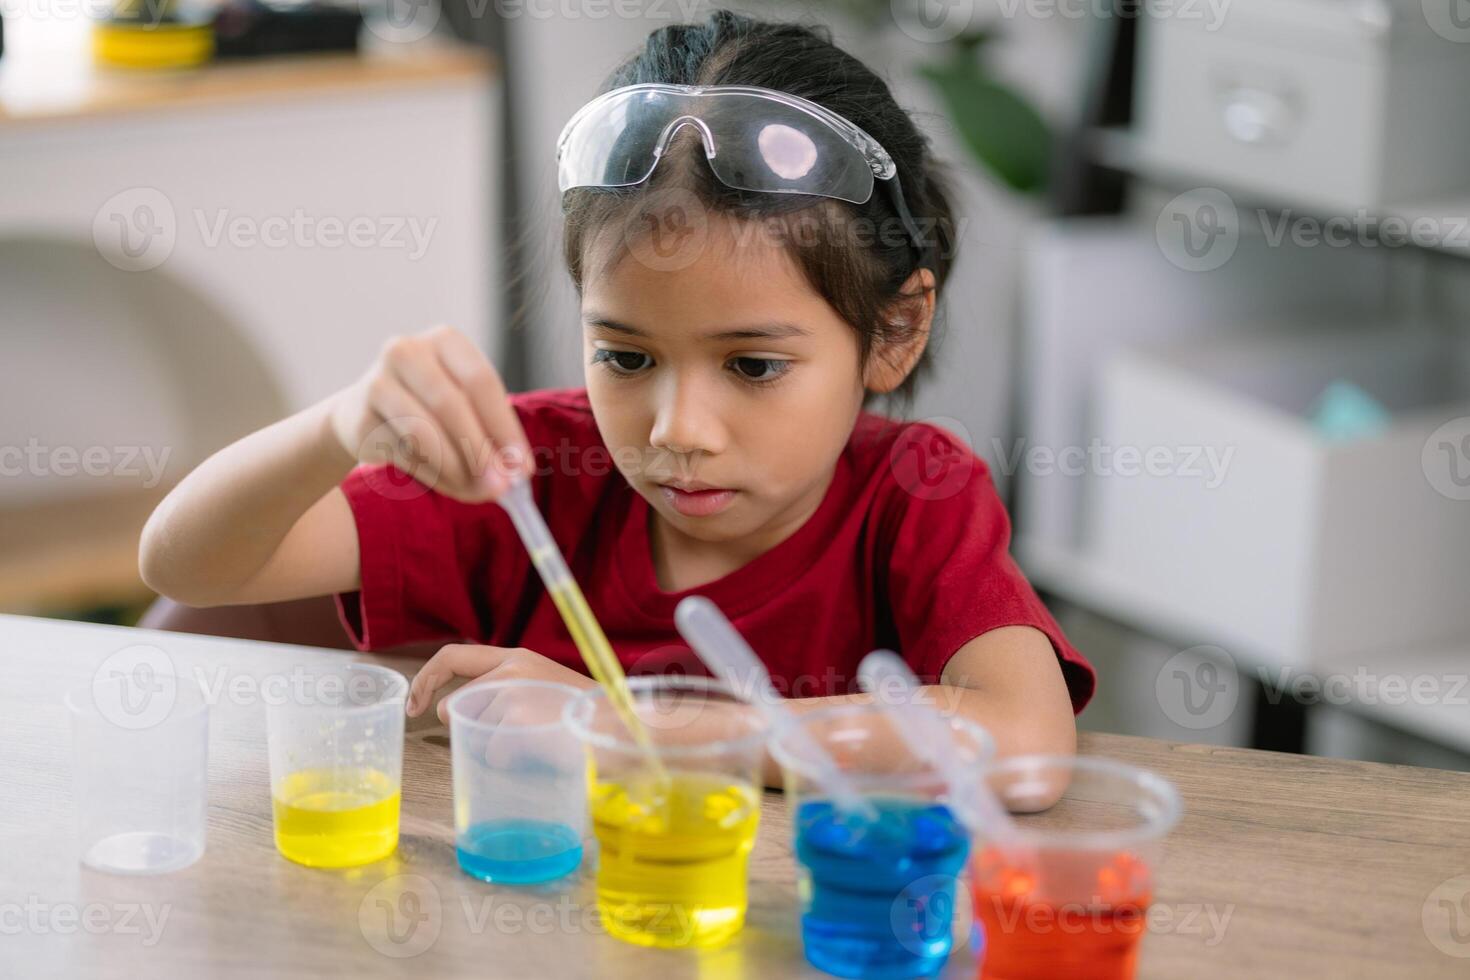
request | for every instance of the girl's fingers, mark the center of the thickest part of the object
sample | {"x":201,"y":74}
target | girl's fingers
{"x":486,"y":392}
{"x":426,"y":379}
{"x":381,"y":444}
{"x":455,"y":660}
{"x":399,"y":440}
{"x":421,"y":440}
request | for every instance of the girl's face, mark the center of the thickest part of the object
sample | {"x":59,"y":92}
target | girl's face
{"x":729,"y":373}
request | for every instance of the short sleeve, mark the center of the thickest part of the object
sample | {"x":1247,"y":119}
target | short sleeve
{"x":435,"y":568}
{"x":951,"y":575}
{"x":419,"y":551}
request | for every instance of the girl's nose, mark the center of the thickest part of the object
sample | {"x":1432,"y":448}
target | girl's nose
{"x":687,"y":419}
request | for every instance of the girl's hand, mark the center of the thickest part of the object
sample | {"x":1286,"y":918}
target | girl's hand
{"x":485,"y":664}
{"x":434,"y":406}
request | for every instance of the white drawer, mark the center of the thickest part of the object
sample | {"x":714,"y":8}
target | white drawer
{"x":1266,"y":530}
{"x":1309,"y":102}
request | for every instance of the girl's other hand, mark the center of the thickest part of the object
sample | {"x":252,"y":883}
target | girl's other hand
{"x":484,"y":663}
{"x":433,"y":405}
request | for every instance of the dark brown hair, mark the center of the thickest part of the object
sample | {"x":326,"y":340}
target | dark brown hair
{"x":856,"y":256}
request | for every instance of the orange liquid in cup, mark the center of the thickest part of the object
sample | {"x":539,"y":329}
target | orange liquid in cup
{"x":1032,"y":937}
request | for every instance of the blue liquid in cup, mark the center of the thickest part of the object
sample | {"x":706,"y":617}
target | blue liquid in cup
{"x":519,"y":852}
{"x":879,"y":897}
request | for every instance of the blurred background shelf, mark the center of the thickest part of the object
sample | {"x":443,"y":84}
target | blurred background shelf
{"x":65,"y":85}
{"x":1080,"y":580}
{"x":1300,"y":119}
{"x":1122,"y":149}
{"x":1077,"y":578}
{"x":170,"y":275}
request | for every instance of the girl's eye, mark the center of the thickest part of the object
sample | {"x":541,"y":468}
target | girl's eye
{"x":760,"y":369}
{"x":622,"y":361}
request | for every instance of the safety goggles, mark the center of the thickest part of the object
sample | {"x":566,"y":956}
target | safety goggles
{"x":756,"y":139}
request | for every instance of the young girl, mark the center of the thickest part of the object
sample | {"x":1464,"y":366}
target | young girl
{"x":757,"y":260}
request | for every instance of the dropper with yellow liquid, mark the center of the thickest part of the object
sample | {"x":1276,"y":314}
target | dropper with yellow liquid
{"x":586,"y":633}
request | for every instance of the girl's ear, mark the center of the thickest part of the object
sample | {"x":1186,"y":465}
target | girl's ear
{"x":911,"y":316}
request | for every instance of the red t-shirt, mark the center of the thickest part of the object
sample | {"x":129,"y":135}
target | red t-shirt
{"x":908,"y":550}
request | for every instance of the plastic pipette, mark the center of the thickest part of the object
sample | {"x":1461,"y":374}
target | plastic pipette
{"x":926,"y":734}
{"x":726,"y":653}
{"x":586,"y":633}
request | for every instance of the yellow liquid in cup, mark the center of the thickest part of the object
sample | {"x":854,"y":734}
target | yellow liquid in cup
{"x":672,"y":868}
{"x":336,"y":818}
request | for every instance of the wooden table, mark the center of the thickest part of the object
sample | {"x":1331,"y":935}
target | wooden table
{"x":1282,"y":865}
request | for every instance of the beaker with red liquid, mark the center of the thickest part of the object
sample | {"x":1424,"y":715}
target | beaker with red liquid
{"x":1066,"y":894}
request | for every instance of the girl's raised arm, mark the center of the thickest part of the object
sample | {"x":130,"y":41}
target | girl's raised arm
{"x":264,"y":519}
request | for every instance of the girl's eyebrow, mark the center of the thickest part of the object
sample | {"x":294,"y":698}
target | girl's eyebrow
{"x":753,"y":332}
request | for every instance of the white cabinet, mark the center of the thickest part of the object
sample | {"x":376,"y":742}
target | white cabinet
{"x":189,"y":256}
{"x":1239,"y":510}
{"x":1326,"y":104}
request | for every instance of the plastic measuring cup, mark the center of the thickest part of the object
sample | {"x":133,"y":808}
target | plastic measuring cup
{"x":141,"y":756}
{"x":673,"y":851}
{"x":336,"y":759}
{"x":520,"y":781}
{"x":1076,"y":905}
{"x":877,"y":896}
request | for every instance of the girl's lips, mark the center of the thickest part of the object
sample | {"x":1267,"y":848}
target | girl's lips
{"x":697,"y":503}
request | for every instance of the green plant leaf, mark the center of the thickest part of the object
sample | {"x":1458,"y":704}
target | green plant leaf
{"x":1001,"y":129}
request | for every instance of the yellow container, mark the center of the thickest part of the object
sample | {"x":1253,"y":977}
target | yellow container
{"x":141,"y":44}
